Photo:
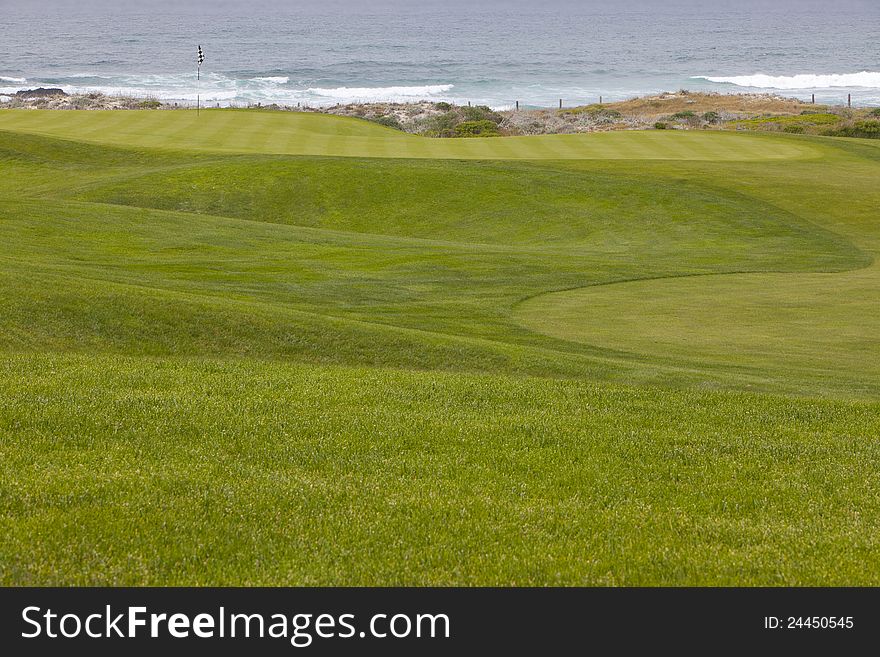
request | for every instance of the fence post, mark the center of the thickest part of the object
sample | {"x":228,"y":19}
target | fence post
{"x":849,"y":100}
{"x":517,"y":106}
{"x":600,"y":100}
{"x":560,"y":103}
{"x":814,"y":99}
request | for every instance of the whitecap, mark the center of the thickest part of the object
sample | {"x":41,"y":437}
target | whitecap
{"x":864,"y":79}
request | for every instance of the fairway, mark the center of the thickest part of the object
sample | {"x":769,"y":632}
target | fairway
{"x":280,"y":348}
{"x":291,"y":133}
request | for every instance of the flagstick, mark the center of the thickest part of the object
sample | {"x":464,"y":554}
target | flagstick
{"x":199,"y":90}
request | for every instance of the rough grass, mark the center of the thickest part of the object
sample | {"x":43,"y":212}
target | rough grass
{"x":819,"y":119}
{"x":120,"y":470}
{"x":239,"y":368}
{"x":652,"y":107}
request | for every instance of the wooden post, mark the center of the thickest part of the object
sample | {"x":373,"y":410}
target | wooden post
{"x":849,"y":100}
{"x":517,"y":106}
{"x":600,"y":100}
{"x":560,"y":103}
{"x":469,"y":103}
{"x":814,"y":99}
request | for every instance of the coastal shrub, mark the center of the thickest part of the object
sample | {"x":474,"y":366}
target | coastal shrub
{"x":660,"y":125}
{"x":595,"y":111}
{"x":481,"y":113}
{"x":149,"y":104}
{"x":869,"y":129}
{"x":84,"y":102}
{"x":875,"y":112}
{"x":711,"y":117}
{"x":443,"y":106}
{"x":688,"y":117}
{"x":780,"y":122}
{"x":389,"y":121}
{"x":794,"y":129}
{"x":483,"y":128}
{"x":441,"y":125}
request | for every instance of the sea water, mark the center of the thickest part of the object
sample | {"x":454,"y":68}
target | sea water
{"x":489,"y":52}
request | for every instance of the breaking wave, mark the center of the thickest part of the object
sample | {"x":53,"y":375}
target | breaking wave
{"x":225,"y":89}
{"x":862,"y":80}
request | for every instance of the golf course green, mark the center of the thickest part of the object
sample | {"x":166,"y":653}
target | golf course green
{"x":277,"y":348}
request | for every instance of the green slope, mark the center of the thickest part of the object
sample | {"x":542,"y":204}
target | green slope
{"x":294,"y":133}
{"x":505,"y":361}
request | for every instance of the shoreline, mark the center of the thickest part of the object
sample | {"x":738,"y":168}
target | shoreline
{"x":681,"y":110}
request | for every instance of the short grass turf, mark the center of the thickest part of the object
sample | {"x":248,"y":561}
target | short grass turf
{"x":274,"y":348}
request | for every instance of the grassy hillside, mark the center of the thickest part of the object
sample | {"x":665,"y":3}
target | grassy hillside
{"x":286,"y":133}
{"x":276,"y":348}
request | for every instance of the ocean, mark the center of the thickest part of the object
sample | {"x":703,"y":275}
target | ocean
{"x":485,"y":52}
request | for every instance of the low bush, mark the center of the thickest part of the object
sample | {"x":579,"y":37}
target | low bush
{"x":481,"y":113}
{"x":711,"y":117}
{"x":442,"y":125}
{"x":389,"y":121}
{"x":483,"y":128}
{"x":780,"y":122}
{"x":660,"y":125}
{"x":595,"y":111}
{"x":863,"y":129}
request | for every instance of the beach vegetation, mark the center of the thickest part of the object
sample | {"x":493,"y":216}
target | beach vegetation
{"x":780,"y":122}
{"x":869,"y":129}
{"x":482,"y":128}
{"x":481,"y":113}
{"x":389,"y":121}
{"x":597,"y":112}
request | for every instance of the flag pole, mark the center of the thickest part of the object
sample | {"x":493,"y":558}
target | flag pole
{"x":199,"y":59}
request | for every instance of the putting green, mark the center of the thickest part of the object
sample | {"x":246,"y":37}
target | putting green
{"x":797,"y":326}
{"x":296,"y":133}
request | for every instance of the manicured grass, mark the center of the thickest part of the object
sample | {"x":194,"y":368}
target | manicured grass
{"x":771,"y":324}
{"x":293,"y":349}
{"x":291,"y":133}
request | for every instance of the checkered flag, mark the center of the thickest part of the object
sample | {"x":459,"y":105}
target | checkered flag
{"x":201,"y":60}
